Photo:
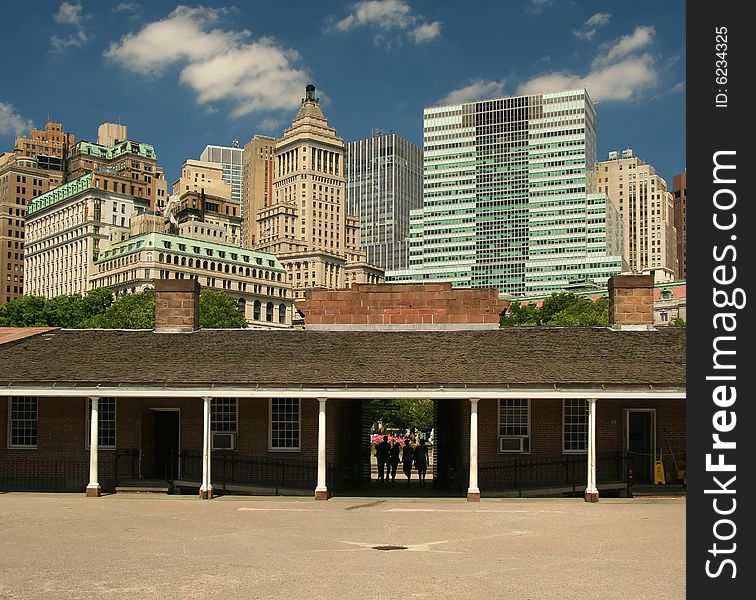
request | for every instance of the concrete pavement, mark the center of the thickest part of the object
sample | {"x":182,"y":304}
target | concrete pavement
{"x":155,"y":546}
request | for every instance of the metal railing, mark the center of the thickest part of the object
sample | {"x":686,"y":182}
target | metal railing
{"x":561,"y":471}
{"x":39,"y":475}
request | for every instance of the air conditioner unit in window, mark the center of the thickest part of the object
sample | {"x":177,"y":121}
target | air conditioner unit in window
{"x":511,"y":444}
{"x":224,"y":441}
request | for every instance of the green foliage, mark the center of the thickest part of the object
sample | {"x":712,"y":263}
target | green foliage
{"x":218,"y":310}
{"x":677,"y":323}
{"x":27,"y":311}
{"x":403,"y":414}
{"x":98,"y":310}
{"x":559,"y":310}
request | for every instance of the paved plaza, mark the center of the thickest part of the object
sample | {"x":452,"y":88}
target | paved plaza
{"x":144,"y":546}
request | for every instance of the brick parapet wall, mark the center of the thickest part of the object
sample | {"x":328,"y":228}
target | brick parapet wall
{"x":402,"y":304}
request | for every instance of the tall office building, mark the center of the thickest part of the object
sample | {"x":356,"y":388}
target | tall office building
{"x":509,"y":197}
{"x":21,"y":181}
{"x":231,"y":159}
{"x":306,"y":225}
{"x":257,"y":178}
{"x":680,"y":193}
{"x":109,"y":134}
{"x":384,"y":181}
{"x":647,"y":210}
{"x":49,"y":148}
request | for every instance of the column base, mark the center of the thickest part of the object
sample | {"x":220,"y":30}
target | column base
{"x":93,"y":491}
{"x":591,"y":496}
{"x":473,"y":496}
{"x":321,"y":494}
{"x":206,"y":494}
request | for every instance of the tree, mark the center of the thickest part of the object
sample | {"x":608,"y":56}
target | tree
{"x":677,"y":323}
{"x":403,"y":414}
{"x":218,"y":310}
{"x":27,"y":311}
{"x":559,"y":310}
{"x":130,"y":311}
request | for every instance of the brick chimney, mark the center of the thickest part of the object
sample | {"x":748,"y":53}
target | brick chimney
{"x":177,"y":305}
{"x":631,"y":302}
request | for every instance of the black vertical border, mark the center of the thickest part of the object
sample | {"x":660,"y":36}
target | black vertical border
{"x":710,"y":129}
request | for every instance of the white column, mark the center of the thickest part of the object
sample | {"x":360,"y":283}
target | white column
{"x":321,"y":491}
{"x":591,"y":492}
{"x":206,"y":489}
{"x":473,"y":492}
{"x":93,"y":487}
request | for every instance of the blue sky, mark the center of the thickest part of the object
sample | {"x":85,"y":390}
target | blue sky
{"x":183,"y":76}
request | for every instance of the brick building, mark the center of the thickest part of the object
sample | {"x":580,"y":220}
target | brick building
{"x":516,"y":408}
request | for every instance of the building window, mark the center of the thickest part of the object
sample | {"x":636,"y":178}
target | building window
{"x":106,"y":423}
{"x":575,"y":425}
{"x":284,"y":424}
{"x":23,"y":422}
{"x":224,"y":423}
{"x":514,"y":425}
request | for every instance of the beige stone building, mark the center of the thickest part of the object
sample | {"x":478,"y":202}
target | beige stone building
{"x":306,"y":224}
{"x":680,"y":193}
{"x":128,"y":168}
{"x":49,"y":147}
{"x":647,"y":210}
{"x":67,"y":229}
{"x":257,"y":177}
{"x":201,"y":176}
{"x":21,"y":181}
{"x":110,"y":134}
{"x":256,"y":280}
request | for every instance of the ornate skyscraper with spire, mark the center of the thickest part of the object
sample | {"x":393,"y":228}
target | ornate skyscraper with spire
{"x":305,"y":225}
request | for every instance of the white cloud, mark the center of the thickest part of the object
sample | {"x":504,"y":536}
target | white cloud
{"x":217,"y":65}
{"x":592,"y":24}
{"x":132,"y":7}
{"x":69,"y":13}
{"x":599,"y":20}
{"x":11,"y":122}
{"x":479,"y":89}
{"x":621,"y":81}
{"x":426,"y":32}
{"x":618,"y":73}
{"x":538,"y":5}
{"x":641,"y":37}
{"x":388,"y":15}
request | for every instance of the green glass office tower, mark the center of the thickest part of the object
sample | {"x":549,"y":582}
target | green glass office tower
{"x":509,"y":197}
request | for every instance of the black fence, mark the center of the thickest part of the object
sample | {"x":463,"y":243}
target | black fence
{"x":69,"y":475}
{"x":557,"y":472}
{"x":230,"y":469}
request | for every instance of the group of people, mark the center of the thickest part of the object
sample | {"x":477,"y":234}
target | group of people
{"x":390,"y":455}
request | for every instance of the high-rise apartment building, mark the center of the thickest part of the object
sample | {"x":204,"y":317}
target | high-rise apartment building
{"x":21,"y":181}
{"x":257,"y":179}
{"x":384,"y":182}
{"x":109,"y":134}
{"x":231,"y":160}
{"x":647,"y":210}
{"x":509,"y":197}
{"x":128,"y":168}
{"x":306,"y":224}
{"x":680,"y":193}
{"x":49,"y":147}
{"x":67,"y":229}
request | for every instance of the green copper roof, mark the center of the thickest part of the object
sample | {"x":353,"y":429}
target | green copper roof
{"x":163,"y":242}
{"x":113,"y":152}
{"x":60,"y":193}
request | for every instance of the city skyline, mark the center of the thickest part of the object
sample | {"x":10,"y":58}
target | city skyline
{"x":183,"y":77}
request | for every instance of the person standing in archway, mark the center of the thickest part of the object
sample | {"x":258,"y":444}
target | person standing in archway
{"x":407,"y":457}
{"x":421,"y":460}
{"x":382,"y":456}
{"x":396,"y":449}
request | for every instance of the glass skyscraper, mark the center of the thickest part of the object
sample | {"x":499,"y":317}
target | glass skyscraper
{"x":232,"y":160}
{"x":509,"y":197}
{"x":384,"y":181}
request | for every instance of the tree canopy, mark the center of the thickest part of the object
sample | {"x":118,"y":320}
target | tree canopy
{"x":403,"y":414}
{"x":98,"y":310}
{"x":562,"y":309}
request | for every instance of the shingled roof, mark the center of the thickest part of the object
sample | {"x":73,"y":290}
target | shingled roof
{"x":251,"y":358}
